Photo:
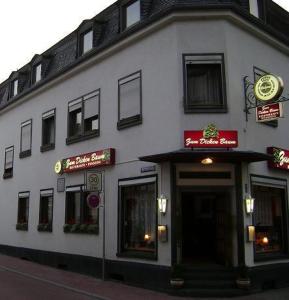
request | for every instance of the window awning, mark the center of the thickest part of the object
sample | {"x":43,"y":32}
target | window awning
{"x":218,"y":156}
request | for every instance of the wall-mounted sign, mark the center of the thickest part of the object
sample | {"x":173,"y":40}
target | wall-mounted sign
{"x":86,"y":161}
{"x":280,"y":158}
{"x":268,"y":87}
{"x":93,"y":200}
{"x":93,"y":181}
{"x":211,"y":137}
{"x":148,"y":169}
{"x":269,"y":112}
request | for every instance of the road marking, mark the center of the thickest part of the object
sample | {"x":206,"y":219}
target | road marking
{"x":92,"y":295}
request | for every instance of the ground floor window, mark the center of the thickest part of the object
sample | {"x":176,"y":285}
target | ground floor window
{"x":138,"y":216}
{"x":80,"y":217}
{"x":45,"y":210}
{"x":269,"y":220}
{"x":23,"y":211}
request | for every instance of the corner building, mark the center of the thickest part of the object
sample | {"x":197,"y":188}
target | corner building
{"x":101,"y":126}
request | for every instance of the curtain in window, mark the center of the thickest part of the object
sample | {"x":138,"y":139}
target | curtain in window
{"x":26,"y":137}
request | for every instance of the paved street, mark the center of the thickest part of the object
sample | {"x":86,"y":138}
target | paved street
{"x":23,"y":280}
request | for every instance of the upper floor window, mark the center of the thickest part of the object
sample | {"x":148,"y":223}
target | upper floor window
{"x":8,"y":165}
{"x":86,"y":41}
{"x":204,"y":83}
{"x":14,"y":88}
{"x":26,"y":139}
{"x":132,"y":13}
{"x":37,"y":73}
{"x":83,"y":117}
{"x":48,"y":131}
{"x":129,"y":100}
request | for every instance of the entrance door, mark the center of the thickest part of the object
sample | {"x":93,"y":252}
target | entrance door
{"x":204,"y":227}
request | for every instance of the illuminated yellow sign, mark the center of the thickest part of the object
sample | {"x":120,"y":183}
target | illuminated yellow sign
{"x":58,"y":167}
{"x":268,"y":87}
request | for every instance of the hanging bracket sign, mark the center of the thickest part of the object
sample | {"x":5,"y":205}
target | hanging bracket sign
{"x":269,"y":112}
{"x":280,"y":158}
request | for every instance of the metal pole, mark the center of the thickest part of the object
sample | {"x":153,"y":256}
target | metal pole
{"x":103,"y":228}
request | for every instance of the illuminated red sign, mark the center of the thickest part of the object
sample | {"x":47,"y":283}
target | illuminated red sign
{"x":269,"y":112}
{"x":89,"y":160}
{"x":280,"y":158}
{"x":221,"y":139}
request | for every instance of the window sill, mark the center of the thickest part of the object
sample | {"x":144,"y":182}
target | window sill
{"x":270,"y":256}
{"x":81,"y":228}
{"x":22,"y":226}
{"x":80,"y":138}
{"x":138,"y":254}
{"x":44,"y":227}
{"x":7,"y":175}
{"x":47,"y":147}
{"x":208,"y":109}
{"x":24,"y":154}
{"x":129,"y":122}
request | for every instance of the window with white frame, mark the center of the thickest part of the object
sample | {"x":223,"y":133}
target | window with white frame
{"x":8,"y":165}
{"x":83,"y":117}
{"x":132,"y":13}
{"x":138,"y":217}
{"x":86,"y":42}
{"x":26,"y":139}
{"x":37,"y":73}
{"x":130,"y":100}
{"x":14,"y":88}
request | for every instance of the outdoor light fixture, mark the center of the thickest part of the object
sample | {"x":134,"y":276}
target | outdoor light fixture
{"x":162,"y":202}
{"x":147,"y":237}
{"x":163,"y":233}
{"x":249,"y":204}
{"x":250,"y":233}
{"x":207,"y":161}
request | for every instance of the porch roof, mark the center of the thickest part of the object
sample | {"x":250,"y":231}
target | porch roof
{"x":196,"y":155}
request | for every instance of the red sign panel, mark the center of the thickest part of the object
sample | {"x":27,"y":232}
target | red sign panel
{"x":223,"y":139}
{"x":89,"y":160}
{"x":280,"y":158}
{"x":269,"y":112}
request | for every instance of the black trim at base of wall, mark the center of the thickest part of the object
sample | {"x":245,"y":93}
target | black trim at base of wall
{"x":138,"y":274}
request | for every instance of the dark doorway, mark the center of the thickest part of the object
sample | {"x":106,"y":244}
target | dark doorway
{"x":204,"y":227}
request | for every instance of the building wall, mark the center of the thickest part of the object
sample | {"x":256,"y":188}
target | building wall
{"x":159,"y":56}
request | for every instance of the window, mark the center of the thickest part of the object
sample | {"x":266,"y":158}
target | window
{"x":14,"y":88}
{"x":37,"y":73}
{"x":83,"y":118}
{"x":204,"y":83}
{"x":132,"y":13}
{"x":86,"y":41}
{"x":48,"y":131}
{"x":8,"y":165}
{"x":257,"y":74}
{"x":23,"y":211}
{"x":45,"y":210}
{"x":80,"y":216}
{"x":26,"y":139}
{"x":138,"y":217}
{"x":269,"y":220}
{"x":129,"y":101}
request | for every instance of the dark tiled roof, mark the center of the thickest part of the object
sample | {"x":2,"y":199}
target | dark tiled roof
{"x":107,"y":30}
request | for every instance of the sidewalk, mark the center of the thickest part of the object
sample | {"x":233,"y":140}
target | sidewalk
{"x":85,"y":287}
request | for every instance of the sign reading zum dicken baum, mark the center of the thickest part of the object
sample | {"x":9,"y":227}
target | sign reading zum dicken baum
{"x":211,"y":137}
{"x":86,"y":161}
{"x":280,"y":158}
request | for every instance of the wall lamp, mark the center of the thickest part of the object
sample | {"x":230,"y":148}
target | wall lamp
{"x":162,"y":203}
{"x":207,"y":161}
{"x":249,"y":204}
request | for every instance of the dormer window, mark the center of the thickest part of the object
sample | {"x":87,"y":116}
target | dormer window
{"x":37,"y":73}
{"x":14,"y":88}
{"x":86,"y":41}
{"x":132,"y":13}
